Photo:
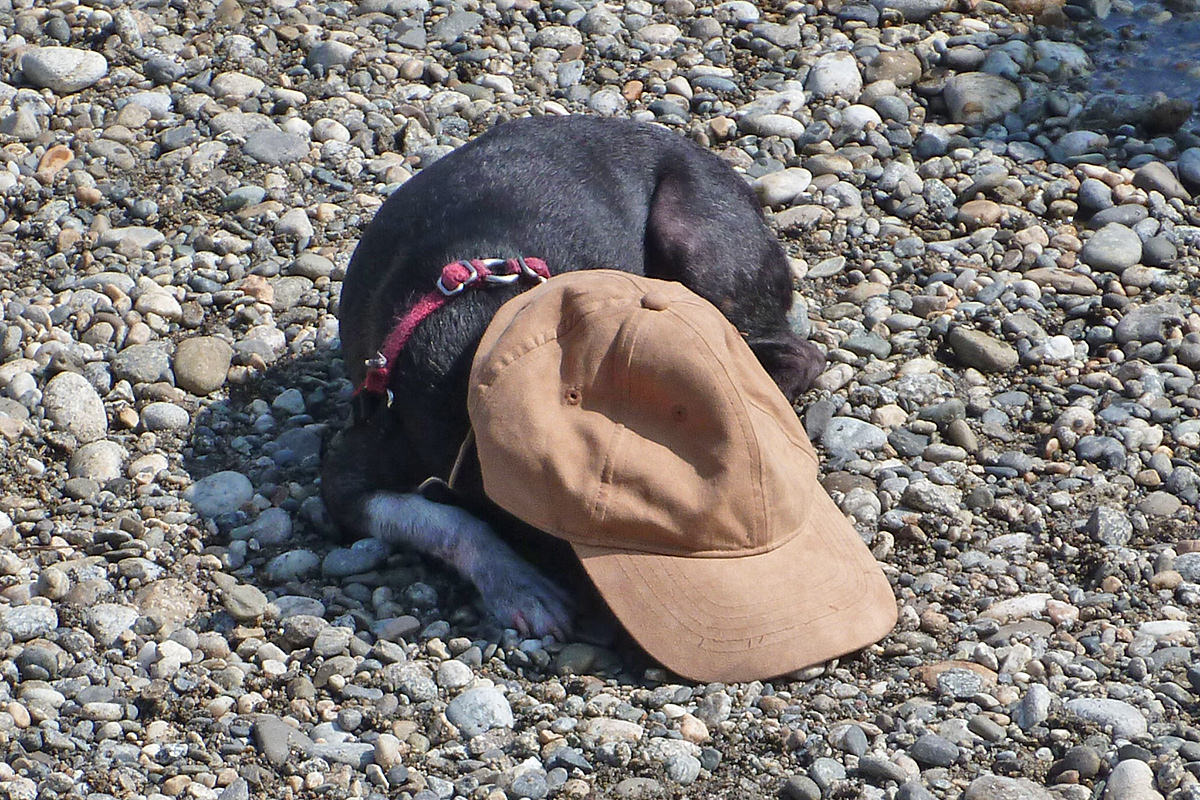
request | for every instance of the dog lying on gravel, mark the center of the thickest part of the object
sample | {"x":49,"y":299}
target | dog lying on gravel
{"x":535,"y":196}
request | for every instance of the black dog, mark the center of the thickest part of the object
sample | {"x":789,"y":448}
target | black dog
{"x":579,"y":193}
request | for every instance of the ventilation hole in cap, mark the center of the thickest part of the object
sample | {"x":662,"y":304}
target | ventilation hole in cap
{"x":573,"y":396}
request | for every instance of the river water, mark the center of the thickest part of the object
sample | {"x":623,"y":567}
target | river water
{"x":1148,"y":48}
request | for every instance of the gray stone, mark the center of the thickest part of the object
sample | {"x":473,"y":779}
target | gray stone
{"x":478,"y":710}
{"x":138,"y":236}
{"x":73,"y":405}
{"x":162,"y":416}
{"x":1188,"y":565}
{"x":976,"y":98}
{"x":275,"y":147}
{"x":933,"y":750}
{"x":324,"y":55}
{"x":63,"y":70}
{"x":108,"y":621}
{"x":1189,"y":167}
{"x":1113,"y":248}
{"x":996,"y":787}
{"x":1109,"y":526}
{"x":272,"y":737}
{"x":912,"y":10}
{"x":202,"y":363}
{"x":835,"y":75}
{"x":1155,"y":176}
{"x":847,"y":434}
{"x":1125,"y":720}
{"x":362,"y":556}
{"x":800,"y":787}
{"x":100,"y":461}
{"x":28,"y":622}
{"x":780,"y":125}
{"x":142,"y":363}
{"x":273,"y":526}
{"x":219,"y":493}
{"x":1033,"y":708}
{"x":1131,"y":779}
{"x":982,"y":351}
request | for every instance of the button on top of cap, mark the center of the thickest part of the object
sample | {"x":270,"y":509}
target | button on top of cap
{"x":655,"y":301}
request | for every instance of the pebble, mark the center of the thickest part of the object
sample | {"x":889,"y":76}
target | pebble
{"x":1131,"y":779}
{"x":1125,"y":721}
{"x":1113,"y":248}
{"x":72,"y":404}
{"x":478,"y":710}
{"x":220,"y":493}
{"x":64,"y":70}
{"x":27,"y":622}
{"x":982,"y":351}
{"x":201,"y":364}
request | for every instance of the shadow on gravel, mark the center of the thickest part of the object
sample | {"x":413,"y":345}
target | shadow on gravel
{"x":272,"y":429}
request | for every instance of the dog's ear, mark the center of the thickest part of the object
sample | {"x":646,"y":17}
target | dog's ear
{"x":793,"y":363}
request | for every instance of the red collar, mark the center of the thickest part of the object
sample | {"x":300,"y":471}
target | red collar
{"x":456,"y":277}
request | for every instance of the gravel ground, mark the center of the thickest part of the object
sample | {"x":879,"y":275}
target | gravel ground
{"x":1002,"y":268}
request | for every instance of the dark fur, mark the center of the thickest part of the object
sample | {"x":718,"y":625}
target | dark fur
{"x":581,"y":193}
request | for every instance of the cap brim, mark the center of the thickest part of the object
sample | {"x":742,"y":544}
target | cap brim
{"x":818,"y":596}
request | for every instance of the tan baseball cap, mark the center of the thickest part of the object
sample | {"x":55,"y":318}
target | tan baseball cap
{"x":627,"y":416}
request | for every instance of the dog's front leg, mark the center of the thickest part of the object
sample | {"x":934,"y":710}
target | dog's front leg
{"x":512,"y":590}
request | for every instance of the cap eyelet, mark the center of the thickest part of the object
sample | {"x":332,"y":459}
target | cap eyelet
{"x":573,"y":396}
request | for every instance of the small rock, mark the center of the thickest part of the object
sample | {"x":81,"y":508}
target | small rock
{"x":478,"y":710}
{"x":64,"y":70}
{"x":219,"y":493}
{"x":982,"y":351}
{"x":201,"y":364}
{"x":73,"y":405}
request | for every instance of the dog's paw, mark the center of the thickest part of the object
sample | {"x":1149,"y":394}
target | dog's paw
{"x":520,"y":597}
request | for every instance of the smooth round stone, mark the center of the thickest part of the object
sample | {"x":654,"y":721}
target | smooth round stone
{"x":454,"y":674}
{"x":139,"y":237}
{"x":977,"y":98}
{"x":1125,"y":720}
{"x":362,"y":556}
{"x":219,"y":493}
{"x":600,"y":21}
{"x":476,"y":711}
{"x":1113,"y":248}
{"x":1189,"y":167}
{"x":997,"y":787}
{"x":273,"y":526}
{"x":912,"y":10}
{"x":982,"y":351}
{"x":28,"y":622}
{"x":1129,"y":215}
{"x":142,"y":363}
{"x":107,"y":621}
{"x":780,"y":188}
{"x":835,"y":75}
{"x":334,"y":53}
{"x":1159,"y":251}
{"x":607,"y":102}
{"x":275,"y":147}
{"x":934,"y":750}
{"x":1131,"y":779}
{"x":773,"y":125}
{"x":1095,"y":195}
{"x":311,"y":266}
{"x":63,"y":70}
{"x":293,"y":565}
{"x":100,"y":461}
{"x":800,"y":787}
{"x":1155,"y":176}
{"x":901,"y":67}
{"x":847,"y":434}
{"x":163,"y":416}
{"x":73,"y":405}
{"x":858,"y":117}
{"x":202,"y":363}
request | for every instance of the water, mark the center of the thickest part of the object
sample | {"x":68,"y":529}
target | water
{"x":1148,"y":48}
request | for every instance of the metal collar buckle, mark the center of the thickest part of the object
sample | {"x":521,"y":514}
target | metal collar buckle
{"x":472,"y":276}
